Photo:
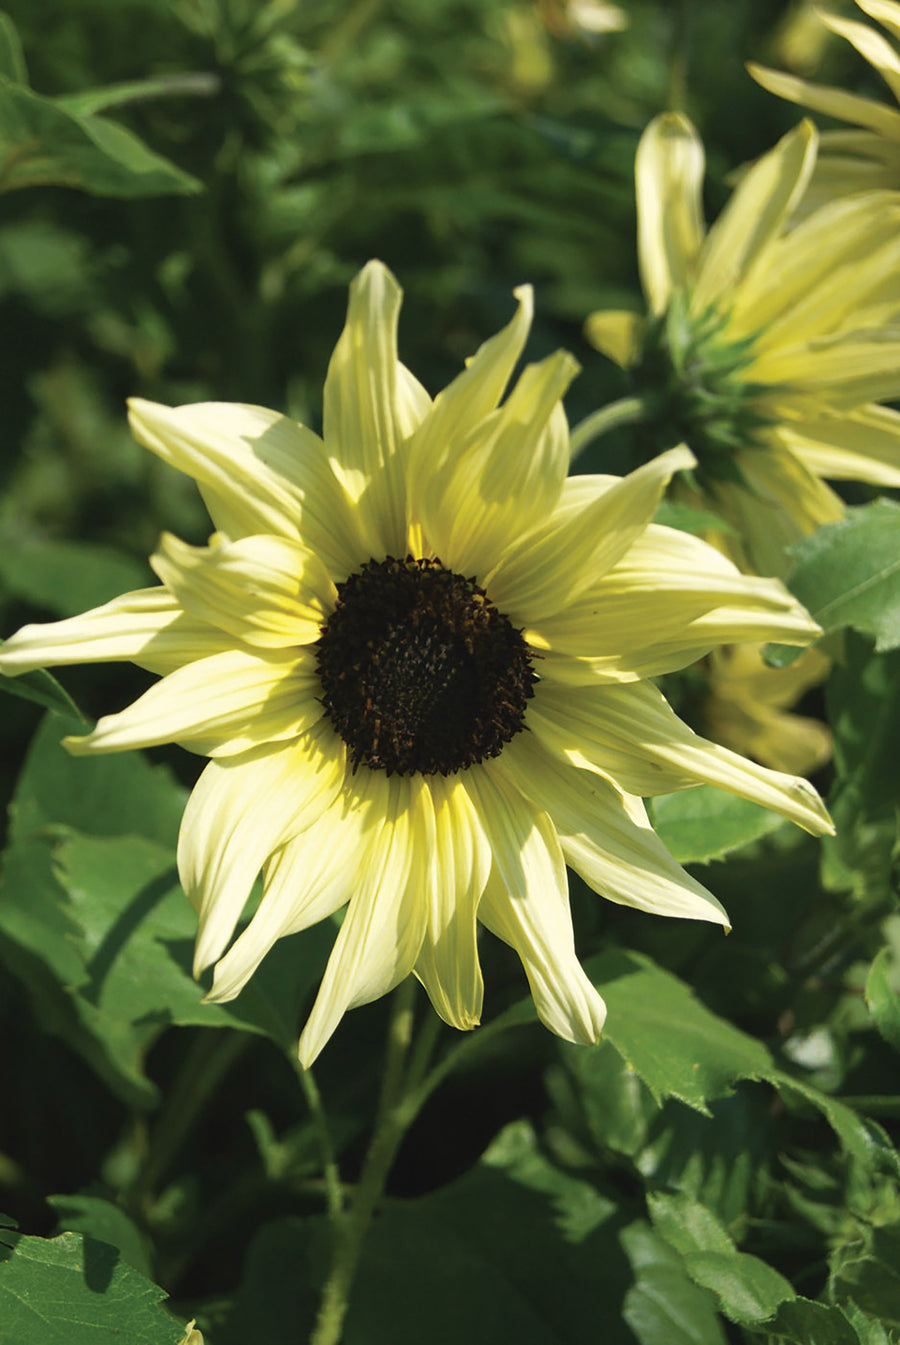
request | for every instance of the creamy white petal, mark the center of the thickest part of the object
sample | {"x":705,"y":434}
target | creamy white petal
{"x":266,"y":591}
{"x":668,"y":171}
{"x":507,"y":477}
{"x":304,"y":882}
{"x":220,"y":705}
{"x":447,"y":964}
{"x":632,"y":736}
{"x":381,"y":936}
{"x":871,"y":45}
{"x":242,"y":810}
{"x":606,"y":836}
{"x":834,"y":102}
{"x":459,"y":410}
{"x":258,"y":472}
{"x":553,"y":564}
{"x":863,"y":445}
{"x":371,"y":407}
{"x":755,"y":214}
{"x":148,"y":627}
{"x":526,"y":903}
{"x":886,"y":12}
{"x":617,"y":334}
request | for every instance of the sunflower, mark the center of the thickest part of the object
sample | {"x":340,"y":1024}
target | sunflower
{"x":868,"y":157}
{"x":766,"y":348}
{"x":415,"y":654}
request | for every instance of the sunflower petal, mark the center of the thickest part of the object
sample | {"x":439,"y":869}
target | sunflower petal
{"x":863,"y":445}
{"x":267,"y":591}
{"x":754,"y":215}
{"x":447,"y":964}
{"x":669,"y":168}
{"x":258,"y":472}
{"x":617,"y":334}
{"x":371,"y":407}
{"x":220,"y":705}
{"x":526,"y":903}
{"x":606,"y":836}
{"x":148,"y":627}
{"x":381,"y":936}
{"x":239,"y":812}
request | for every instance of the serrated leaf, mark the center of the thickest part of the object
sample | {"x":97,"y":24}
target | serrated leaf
{"x":883,"y":1000}
{"x":702,"y":824}
{"x":801,"y":1321}
{"x":848,"y":574}
{"x":869,"y":1275}
{"x":663,"y":1306}
{"x":677,"y":1046}
{"x":71,"y":1290}
{"x":43,"y":144}
{"x":749,"y":1291}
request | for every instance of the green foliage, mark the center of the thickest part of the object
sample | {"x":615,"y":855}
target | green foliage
{"x":705,"y":823}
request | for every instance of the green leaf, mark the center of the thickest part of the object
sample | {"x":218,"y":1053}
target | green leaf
{"x":71,"y":1290}
{"x":44,"y":144}
{"x":749,"y":1291}
{"x":105,"y":1222}
{"x":883,"y":1000}
{"x":663,"y":1306}
{"x":12,"y":57}
{"x":67,"y":577}
{"x":848,"y":574}
{"x":179,"y":85}
{"x":702,"y":824}
{"x":677,"y":1046}
{"x":43,"y":689}
{"x":801,"y":1321}
{"x":684,"y":517}
{"x":868,"y":1275}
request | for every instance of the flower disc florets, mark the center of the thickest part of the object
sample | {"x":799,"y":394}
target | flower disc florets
{"x":421,"y":674}
{"x":692,"y":379}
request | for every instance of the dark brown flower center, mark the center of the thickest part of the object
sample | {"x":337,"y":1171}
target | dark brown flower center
{"x":420,"y":672}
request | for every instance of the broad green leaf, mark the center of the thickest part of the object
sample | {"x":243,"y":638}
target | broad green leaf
{"x":72,"y":1290}
{"x":848,"y":574}
{"x":12,"y":57}
{"x":103,"y":1221}
{"x":42,"y":688}
{"x":663,"y":1306}
{"x":705,"y":823}
{"x":43,"y":144}
{"x":67,"y":577}
{"x":749,"y":1291}
{"x":883,"y":1000}
{"x":677,"y":1046}
{"x":860,"y":1136}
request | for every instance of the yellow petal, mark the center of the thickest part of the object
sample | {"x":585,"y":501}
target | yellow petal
{"x":147,"y":627}
{"x":871,"y":45}
{"x":617,"y":334}
{"x":267,"y":591}
{"x":863,"y":445}
{"x":669,"y":170}
{"x":258,"y":472}
{"x":382,"y":932}
{"x":447,"y":964}
{"x":371,"y":407}
{"x":606,"y":836}
{"x":220,"y":705}
{"x":631,"y":735}
{"x":552,"y":565}
{"x":832,"y":101}
{"x":242,"y":810}
{"x":886,"y":12}
{"x":755,"y":214}
{"x":507,"y":477}
{"x":526,"y":903}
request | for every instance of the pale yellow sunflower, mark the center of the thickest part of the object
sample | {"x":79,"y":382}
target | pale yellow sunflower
{"x":765,"y":348}
{"x":415,"y":652}
{"x":868,"y":157}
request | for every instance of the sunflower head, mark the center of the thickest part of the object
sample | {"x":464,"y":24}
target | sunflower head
{"x":417,"y":654}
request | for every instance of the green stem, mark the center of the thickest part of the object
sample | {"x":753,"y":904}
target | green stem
{"x":334,"y":1192}
{"x":396,"y":1111}
{"x":625,"y":411}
